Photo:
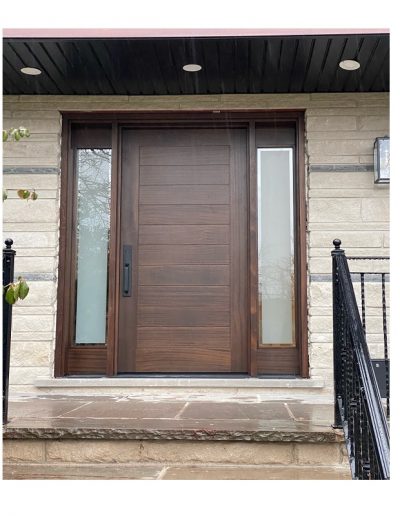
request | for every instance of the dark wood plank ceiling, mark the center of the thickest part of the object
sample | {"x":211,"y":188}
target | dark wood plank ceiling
{"x":271,"y":64}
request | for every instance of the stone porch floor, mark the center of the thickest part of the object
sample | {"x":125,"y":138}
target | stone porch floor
{"x":121,"y":418}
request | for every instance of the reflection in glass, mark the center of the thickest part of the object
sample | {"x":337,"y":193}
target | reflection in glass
{"x":92,"y":239}
{"x":275,"y":245}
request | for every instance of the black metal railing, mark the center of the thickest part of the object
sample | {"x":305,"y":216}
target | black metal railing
{"x":8,"y":277}
{"x":358,"y":407}
{"x":381,"y":364}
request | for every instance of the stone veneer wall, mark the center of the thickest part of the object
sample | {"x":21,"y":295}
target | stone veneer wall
{"x":342,"y":202}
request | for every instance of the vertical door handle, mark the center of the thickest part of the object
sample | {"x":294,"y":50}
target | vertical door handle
{"x":127,"y":271}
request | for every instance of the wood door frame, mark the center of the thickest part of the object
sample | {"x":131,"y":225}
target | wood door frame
{"x":102,"y":360}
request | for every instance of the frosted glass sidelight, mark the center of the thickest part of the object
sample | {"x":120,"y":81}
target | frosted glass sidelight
{"x":275,"y":245}
{"x":92,"y":244}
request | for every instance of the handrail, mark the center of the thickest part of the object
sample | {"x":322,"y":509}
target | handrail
{"x":8,"y":277}
{"x":358,"y":407}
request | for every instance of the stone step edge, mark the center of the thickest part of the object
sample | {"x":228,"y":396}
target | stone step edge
{"x":178,"y":383}
{"x":157,"y":470}
{"x":120,"y":434}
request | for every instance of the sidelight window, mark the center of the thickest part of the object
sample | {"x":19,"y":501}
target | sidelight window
{"x":276,"y":246}
{"x":92,"y":244}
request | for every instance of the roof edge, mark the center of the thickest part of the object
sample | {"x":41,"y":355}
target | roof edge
{"x":193,"y":32}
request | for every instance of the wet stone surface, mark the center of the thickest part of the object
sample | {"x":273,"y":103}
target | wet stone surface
{"x":101,"y":417}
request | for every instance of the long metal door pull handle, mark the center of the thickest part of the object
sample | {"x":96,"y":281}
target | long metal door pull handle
{"x":127,"y":277}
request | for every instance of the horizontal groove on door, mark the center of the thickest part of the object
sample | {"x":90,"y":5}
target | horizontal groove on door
{"x":167,"y":316}
{"x":184,"y":155}
{"x":184,"y":175}
{"x":184,"y":194}
{"x":182,"y":234}
{"x":184,"y":275}
{"x":184,"y":214}
{"x":183,"y":254}
{"x":215,"y":298}
{"x":186,"y":359}
{"x":204,"y":337}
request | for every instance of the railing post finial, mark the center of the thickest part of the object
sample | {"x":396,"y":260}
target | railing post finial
{"x":337,"y":243}
{"x":9,"y":242}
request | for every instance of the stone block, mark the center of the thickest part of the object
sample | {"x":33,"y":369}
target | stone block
{"x":41,"y":210}
{"x":342,"y":180}
{"x":386,"y":239}
{"x":31,"y":264}
{"x":340,"y":135}
{"x":215,"y":451}
{"x":35,"y":125}
{"x":320,"y":324}
{"x":93,"y":451}
{"x":331,"y":123}
{"x":41,"y":293}
{"x":321,"y":355}
{"x":40,"y":182}
{"x":18,"y":450}
{"x":335,"y":210}
{"x":33,"y":239}
{"x":341,"y":147}
{"x":27,"y":375}
{"x":27,"y":149}
{"x":321,"y":294}
{"x":318,"y":453}
{"x":31,"y":323}
{"x":28,"y":354}
{"x":375,"y":210}
{"x":350,"y":239}
{"x":320,"y":265}
{"x":332,"y":159}
{"x":375,"y":123}
{"x":25,"y":336}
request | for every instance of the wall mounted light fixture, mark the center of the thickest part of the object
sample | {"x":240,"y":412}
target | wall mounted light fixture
{"x":382,"y":160}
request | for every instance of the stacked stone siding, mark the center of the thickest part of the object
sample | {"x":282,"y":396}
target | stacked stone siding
{"x":342,"y":201}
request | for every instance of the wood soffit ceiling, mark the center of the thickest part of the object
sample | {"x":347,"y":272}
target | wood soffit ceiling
{"x":153,"y":66}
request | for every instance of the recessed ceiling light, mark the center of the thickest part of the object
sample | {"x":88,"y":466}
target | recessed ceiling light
{"x":192,"y":68}
{"x":31,"y":71}
{"x":349,"y":64}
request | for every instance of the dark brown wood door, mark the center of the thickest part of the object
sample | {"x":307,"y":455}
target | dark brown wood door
{"x":184,"y":217}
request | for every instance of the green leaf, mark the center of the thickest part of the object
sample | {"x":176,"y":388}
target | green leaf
{"x":16,"y":288}
{"x":10,"y":295}
{"x":5,"y":135}
{"x":23,"y":289}
{"x":23,"y":194}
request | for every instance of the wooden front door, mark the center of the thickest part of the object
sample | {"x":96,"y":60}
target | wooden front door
{"x":184,"y":266}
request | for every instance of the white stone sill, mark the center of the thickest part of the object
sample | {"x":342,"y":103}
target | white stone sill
{"x":278,"y":383}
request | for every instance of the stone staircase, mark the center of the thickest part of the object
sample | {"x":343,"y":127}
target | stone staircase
{"x":78,"y":437}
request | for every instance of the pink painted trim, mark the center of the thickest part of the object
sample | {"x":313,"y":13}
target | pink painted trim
{"x":171,"y":33}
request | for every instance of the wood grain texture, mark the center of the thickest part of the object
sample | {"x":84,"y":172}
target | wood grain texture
{"x":184,"y":275}
{"x":184,"y":175}
{"x":184,"y":234}
{"x":184,"y":194}
{"x":184,"y":214}
{"x":188,"y":203}
{"x":215,"y":298}
{"x":183,"y":254}
{"x":184,"y":155}
{"x":205,"y":337}
{"x":169,"y":316}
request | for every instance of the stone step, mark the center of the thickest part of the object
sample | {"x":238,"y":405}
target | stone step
{"x":179,"y":452}
{"x":226,"y":388}
{"x":162,"y":471}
